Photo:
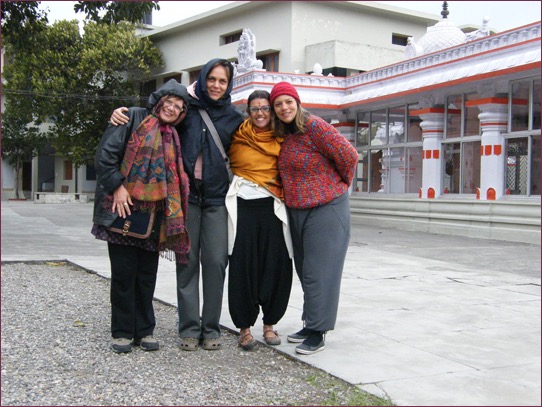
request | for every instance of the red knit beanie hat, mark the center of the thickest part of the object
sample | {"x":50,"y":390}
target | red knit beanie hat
{"x":284,"y":88}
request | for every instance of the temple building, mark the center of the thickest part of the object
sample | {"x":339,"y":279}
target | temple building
{"x":448,"y":138}
{"x":446,"y":120}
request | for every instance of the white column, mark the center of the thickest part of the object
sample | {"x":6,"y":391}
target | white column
{"x":35,"y":173}
{"x":494,"y":122}
{"x":433,"y":129}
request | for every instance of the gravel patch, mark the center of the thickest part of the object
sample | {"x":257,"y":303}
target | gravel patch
{"x":55,"y":351}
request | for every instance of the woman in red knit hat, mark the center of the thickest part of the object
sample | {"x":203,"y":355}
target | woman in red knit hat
{"x":317,"y":165}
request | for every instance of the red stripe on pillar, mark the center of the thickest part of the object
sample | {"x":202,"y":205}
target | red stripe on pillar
{"x":494,"y":124}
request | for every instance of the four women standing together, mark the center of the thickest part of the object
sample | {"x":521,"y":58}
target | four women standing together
{"x":291,"y":175}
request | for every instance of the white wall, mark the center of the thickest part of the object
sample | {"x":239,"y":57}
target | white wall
{"x":363,"y":34}
{"x":350,"y":55}
{"x":196,"y":44}
{"x":8,"y":181}
{"x":364,"y":38}
{"x":86,"y":187}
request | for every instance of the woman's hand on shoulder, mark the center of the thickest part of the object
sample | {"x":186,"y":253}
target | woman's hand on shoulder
{"x":118,"y":118}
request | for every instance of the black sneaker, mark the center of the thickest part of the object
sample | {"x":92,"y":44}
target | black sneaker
{"x":300,"y":336}
{"x":147,"y":343}
{"x":121,"y":345}
{"x":314,"y":343}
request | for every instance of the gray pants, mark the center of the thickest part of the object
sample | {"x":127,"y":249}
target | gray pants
{"x":208,"y":231}
{"x":320,"y":238}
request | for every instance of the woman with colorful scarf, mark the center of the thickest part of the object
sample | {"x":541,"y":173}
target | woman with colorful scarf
{"x":140,"y":168}
{"x":259,"y":244}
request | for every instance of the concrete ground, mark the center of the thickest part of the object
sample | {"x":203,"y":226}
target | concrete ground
{"x":428,"y":320}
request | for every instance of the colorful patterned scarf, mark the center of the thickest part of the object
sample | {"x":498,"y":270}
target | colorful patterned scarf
{"x":156,"y":180}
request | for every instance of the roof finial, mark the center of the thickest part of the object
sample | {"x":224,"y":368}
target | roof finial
{"x":444,"y":13}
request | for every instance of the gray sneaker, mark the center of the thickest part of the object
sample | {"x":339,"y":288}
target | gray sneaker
{"x":147,"y":343}
{"x":212,"y":343}
{"x":314,"y":343}
{"x":121,"y":345}
{"x":300,"y":336}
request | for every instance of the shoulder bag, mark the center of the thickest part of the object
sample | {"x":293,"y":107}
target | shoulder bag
{"x":137,"y":224}
{"x":216,"y":139}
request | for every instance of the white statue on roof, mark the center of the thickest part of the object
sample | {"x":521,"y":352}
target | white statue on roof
{"x":317,"y":70}
{"x":481,"y":33}
{"x":246,"y":53}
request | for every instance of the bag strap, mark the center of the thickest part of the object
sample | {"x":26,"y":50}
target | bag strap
{"x":216,"y":139}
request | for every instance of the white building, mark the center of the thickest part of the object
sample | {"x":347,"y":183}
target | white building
{"x":447,"y":124}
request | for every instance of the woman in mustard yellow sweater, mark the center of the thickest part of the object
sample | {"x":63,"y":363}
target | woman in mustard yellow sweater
{"x":259,"y":245}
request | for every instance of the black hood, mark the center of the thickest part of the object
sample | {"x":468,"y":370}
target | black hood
{"x":201,"y":88}
{"x":171,"y":87}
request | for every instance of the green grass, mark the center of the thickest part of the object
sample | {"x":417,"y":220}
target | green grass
{"x":340,"y":393}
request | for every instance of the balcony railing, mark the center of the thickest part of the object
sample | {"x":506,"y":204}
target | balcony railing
{"x":350,"y":85}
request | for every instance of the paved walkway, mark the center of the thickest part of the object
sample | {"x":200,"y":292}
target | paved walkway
{"x":428,"y":320}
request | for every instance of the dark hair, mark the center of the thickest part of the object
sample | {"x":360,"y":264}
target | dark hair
{"x":226,"y":64}
{"x":262,"y":94}
{"x":258,"y":94}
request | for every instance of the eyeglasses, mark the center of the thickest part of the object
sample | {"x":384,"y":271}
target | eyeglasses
{"x":265,"y":109}
{"x":178,"y":109}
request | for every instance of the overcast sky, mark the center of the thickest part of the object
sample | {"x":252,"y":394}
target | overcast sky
{"x":503,"y":15}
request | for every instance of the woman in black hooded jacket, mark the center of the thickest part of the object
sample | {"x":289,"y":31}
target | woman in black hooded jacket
{"x":207,"y":215}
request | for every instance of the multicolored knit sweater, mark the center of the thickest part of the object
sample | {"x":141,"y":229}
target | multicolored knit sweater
{"x":316,"y":166}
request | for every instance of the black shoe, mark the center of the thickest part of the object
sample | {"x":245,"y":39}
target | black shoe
{"x":314,"y":343}
{"x":147,"y":343}
{"x":121,"y":345}
{"x":300,"y":336}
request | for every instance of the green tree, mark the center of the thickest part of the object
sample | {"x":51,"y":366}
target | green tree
{"x":112,"y":12}
{"x":17,"y":14}
{"x":72,"y":79}
{"x":22,"y":23}
{"x":20,"y":141}
{"x":20,"y":19}
{"x":83,"y":78}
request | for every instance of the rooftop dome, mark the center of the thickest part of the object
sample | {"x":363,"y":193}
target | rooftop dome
{"x":444,"y":34}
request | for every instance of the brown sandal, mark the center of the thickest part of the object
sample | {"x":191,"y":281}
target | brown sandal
{"x":247,"y":341}
{"x":271,"y":340}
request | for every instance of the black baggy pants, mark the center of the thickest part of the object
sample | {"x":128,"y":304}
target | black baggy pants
{"x":260,"y":270}
{"x":133,"y":280}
